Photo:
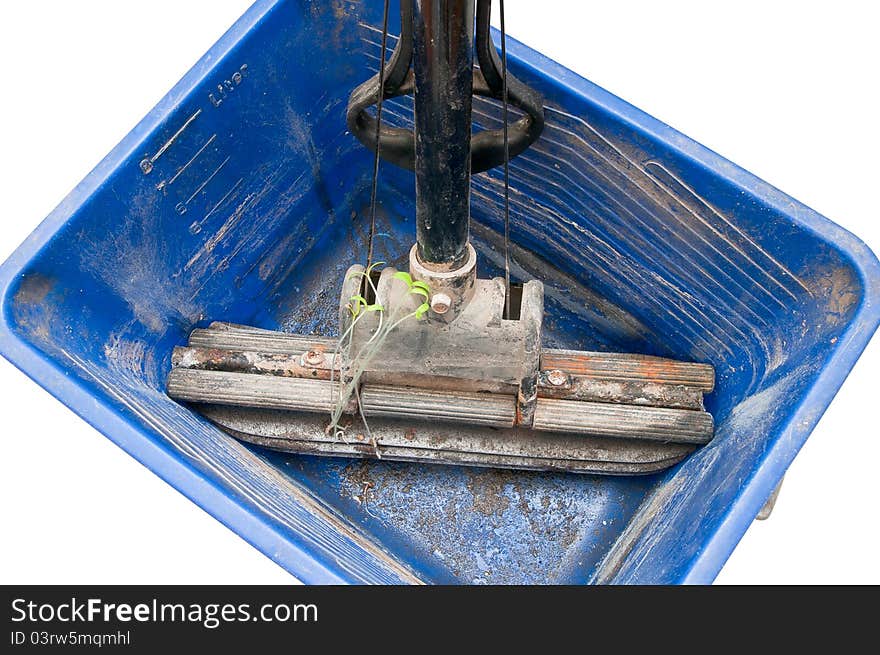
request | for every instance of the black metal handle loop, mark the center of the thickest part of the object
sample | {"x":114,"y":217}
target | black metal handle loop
{"x":397,"y":144}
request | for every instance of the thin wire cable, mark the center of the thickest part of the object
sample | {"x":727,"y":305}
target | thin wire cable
{"x":506,"y":164}
{"x":381,"y":96}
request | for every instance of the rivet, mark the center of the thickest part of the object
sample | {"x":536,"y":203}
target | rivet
{"x":440,"y":303}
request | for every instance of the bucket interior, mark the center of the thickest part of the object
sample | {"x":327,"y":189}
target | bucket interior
{"x":259,"y":203}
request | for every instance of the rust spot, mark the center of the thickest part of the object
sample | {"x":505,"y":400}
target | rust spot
{"x":487,"y":489}
{"x":410,"y":434}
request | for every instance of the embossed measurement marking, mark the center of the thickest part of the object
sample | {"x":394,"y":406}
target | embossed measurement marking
{"x":208,"y":179}
{"x":222,"y":91}
{"x":223,"y":199}
{"x":228,"y":86}
{"x":147,"y":164}
{"x":163,"y":184}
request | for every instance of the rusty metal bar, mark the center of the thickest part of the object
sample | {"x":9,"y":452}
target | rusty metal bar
{"x":647,"y":394}
{"x":624,"y":367}
{"x":311,"y":364}
{"x":259,"y":341}
{"x":494,"y":410}
{"x":246,"y":390}
{"x":314,"y":395}
{"x":623,"y":421}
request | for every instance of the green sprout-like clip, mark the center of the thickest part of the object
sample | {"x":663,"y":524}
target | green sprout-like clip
{"x":367,"y":272}
{"x":406,"y":277}
{"x":418,"y":288}
{"x":358,"y":303}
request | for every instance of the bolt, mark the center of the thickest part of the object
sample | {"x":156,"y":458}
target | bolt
{"x":440,"y":303}
{"x":313,"y":358}
{"x":146,"y":165}
{"x":557,"y":378}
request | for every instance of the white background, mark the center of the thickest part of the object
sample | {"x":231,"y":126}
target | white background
{"x":788,"y":90}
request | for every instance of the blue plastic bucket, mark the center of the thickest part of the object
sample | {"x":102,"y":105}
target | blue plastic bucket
{"x":241,"y":197}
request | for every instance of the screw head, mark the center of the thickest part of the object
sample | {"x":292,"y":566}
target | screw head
{"x":440,"y":303}
{"x":313,"y":358}
{"x":557,"y":378}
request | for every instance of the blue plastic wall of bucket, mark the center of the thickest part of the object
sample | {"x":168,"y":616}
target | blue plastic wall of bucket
{"x":241,"y":197}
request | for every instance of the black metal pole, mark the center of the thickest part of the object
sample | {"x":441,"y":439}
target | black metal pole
{"x":443,"y":58}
